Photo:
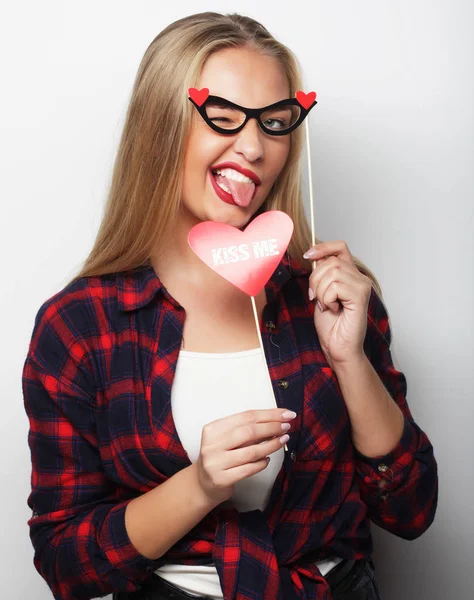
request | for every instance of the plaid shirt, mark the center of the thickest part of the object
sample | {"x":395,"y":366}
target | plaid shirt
{"x":97,"y":390}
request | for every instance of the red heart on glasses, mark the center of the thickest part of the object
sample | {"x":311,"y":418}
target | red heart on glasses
{"x":306,"y":99}
{"x":248,"y":258}
{"x":199,"y":96}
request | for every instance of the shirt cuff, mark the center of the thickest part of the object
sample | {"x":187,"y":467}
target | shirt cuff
{"x":120,"y":551}
{"x":393,"y":467}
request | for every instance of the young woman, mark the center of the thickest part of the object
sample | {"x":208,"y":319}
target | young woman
{"x":151,"y":417}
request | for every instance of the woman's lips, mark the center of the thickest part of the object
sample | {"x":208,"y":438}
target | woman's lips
{"x":223,"y":195}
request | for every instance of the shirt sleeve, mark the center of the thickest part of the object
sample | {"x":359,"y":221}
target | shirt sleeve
{"x":77,"y":528}
{"x":400,"y":488}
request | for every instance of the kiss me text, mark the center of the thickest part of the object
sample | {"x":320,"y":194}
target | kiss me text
{"x":231,"y":254}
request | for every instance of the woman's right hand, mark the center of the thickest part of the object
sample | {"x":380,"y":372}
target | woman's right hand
{"x":235,"y":447}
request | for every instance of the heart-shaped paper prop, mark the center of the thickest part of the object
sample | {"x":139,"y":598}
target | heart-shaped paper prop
{"x":248,"y":258}
{"x":306,"y":99}
{"x":199,"y":96}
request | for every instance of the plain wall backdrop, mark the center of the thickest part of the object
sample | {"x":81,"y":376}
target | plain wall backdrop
{"x":392,"y":169}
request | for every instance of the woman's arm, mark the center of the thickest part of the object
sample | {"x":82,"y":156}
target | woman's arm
{"x":377,"y":421}
{"x":84,"y":529}
{"x":156,"y":520}
{"x":394,"y":457}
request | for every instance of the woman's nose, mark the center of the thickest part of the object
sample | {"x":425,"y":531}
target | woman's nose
{"x":249,"y":141}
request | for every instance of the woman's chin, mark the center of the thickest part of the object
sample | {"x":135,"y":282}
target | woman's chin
{"x":221,"y":213}
{"x":228,"y":216}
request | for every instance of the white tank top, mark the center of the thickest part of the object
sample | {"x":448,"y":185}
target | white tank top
{"x":208,"y":386}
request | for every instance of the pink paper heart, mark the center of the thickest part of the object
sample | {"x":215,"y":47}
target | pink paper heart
{"x":248,"y":258}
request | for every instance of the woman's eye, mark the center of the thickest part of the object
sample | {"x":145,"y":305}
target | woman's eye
{"x":278,"y":123}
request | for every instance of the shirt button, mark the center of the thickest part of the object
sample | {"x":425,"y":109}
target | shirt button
{"x":270,"y":325}
{"x":382,"y":468}
{"x":293,"y":455}
{"x":283,"y":384}
{"x":384,"y":497}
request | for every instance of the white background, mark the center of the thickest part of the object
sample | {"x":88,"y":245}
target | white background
{"x":392,"y":156}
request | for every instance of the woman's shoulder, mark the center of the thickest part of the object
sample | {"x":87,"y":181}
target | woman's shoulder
{"x":89,"y":309}
{"x":77,"y":297}
{"x":116,"y":291}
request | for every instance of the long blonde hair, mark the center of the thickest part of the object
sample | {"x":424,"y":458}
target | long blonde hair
{"x":145,"y":190}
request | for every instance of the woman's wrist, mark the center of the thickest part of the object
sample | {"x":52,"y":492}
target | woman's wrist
{"x":200,"y":494}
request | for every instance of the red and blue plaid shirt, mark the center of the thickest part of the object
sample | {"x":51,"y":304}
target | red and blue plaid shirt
{"x":97,"y":391}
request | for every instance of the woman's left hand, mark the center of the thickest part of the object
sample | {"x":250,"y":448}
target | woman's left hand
{"x":344,"y":293}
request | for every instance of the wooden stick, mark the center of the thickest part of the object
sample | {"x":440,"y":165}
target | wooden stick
{"x":313,"y":243}
{"x":263,"y":351}
{"x":308,"y":153}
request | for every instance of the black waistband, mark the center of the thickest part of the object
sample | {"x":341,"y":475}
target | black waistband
{"x":339,"y":572}
{"x":164,"y":589}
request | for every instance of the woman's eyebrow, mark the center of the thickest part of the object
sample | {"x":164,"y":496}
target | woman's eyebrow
{"x":219,"y":102}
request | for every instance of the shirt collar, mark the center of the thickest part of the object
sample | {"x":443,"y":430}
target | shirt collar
{"x":138,"y":287}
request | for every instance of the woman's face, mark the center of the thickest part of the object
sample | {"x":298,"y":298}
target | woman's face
{"x":251,"y":80}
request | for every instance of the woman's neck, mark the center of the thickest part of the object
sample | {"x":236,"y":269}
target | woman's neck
{"x":177,"y":262}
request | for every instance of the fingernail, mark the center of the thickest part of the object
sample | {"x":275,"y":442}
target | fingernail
{"x":289,"y":414}
{"x":311,"y":253}
{"x":320,"y":306}
{"x":284,"y":438}
{"x":310,"y":294}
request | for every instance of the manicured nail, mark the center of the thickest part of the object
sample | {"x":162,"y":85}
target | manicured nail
{"x":289,"y":414}
{"x":311,"y":253}
{"x":320,"y":306}
{"x":310,"y":294}
{"x":284,"y":438}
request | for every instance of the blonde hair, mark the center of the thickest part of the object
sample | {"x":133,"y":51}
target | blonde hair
{"x":145,"y":191}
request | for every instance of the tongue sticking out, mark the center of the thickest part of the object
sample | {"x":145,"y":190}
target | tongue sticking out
{"x":242,"y":193}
